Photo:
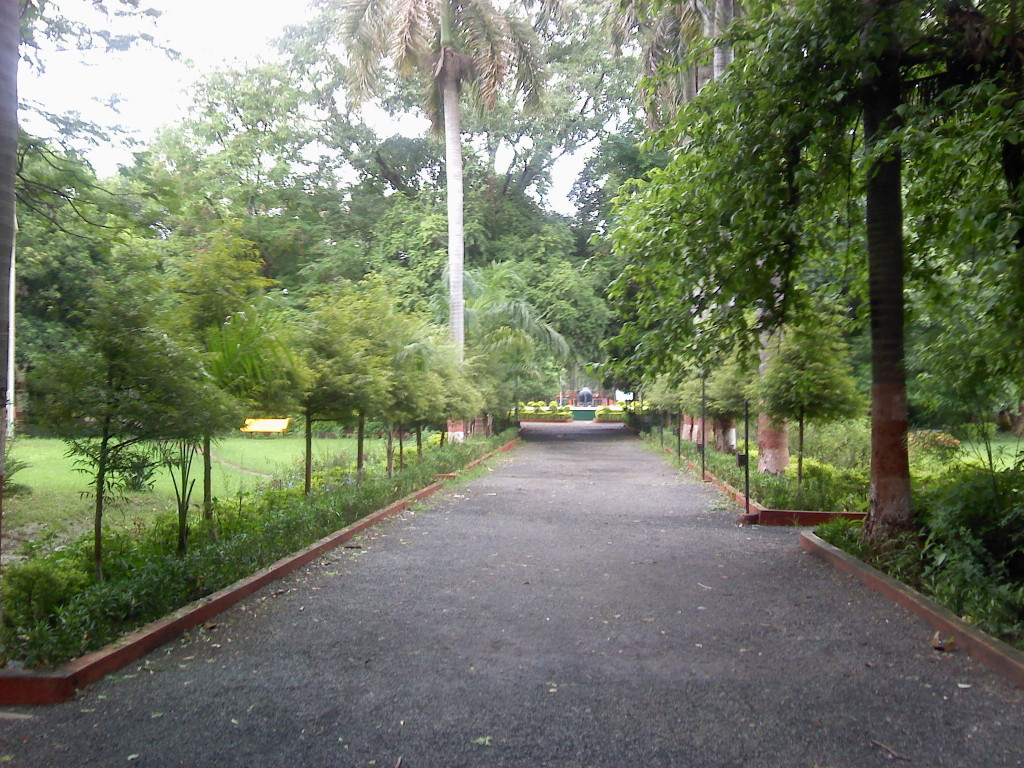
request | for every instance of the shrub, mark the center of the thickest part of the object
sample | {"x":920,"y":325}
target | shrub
{"x":33,"y":591}
{"x":607,"y":413}
{"x":545,"y":411}
{"x":825,"y":487}
{"x":845,"y":443}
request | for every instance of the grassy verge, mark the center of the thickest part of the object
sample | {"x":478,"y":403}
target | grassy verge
{"x":53,"y":609}
{"x":824,"y":488}
{"x":52,"y":495}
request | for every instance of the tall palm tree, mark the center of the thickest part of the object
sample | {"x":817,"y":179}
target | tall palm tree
{"x":669,"y":32}
{"x":453,"y":44}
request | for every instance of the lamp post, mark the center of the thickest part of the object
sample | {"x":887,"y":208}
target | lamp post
{"x":703,"y":425}
{"x":746,"y":456}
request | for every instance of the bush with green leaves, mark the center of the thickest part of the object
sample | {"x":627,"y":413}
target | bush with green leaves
{"x":55,"y":610}
{"x":609,"y":413}
{"x":842,"y":443}
{"x":824,"y":488}
{"x":540,"y":411}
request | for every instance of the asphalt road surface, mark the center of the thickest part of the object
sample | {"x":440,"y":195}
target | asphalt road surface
{"x":579,"y":603}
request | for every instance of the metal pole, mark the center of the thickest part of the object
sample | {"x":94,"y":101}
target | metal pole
{"x":679,"y":434}
{"x":746,"y":453}
{"x":703,"y":426}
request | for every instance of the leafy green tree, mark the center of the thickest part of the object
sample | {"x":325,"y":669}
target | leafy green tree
{"x":124,"y":384}
{"x":219,"y":275}
{"x":260,"y":156}
{"x":347,"y":340}
{"x":509,"y":338}
{"x":414,"y":385}
{"x":249,"y":357}
{"x":587,"y":92}
{"x":726,"y":397}
{"x":788,"y":114}
{"x":808,"y":377}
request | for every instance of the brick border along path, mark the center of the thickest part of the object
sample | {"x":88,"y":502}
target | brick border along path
{"x":580,"y":605}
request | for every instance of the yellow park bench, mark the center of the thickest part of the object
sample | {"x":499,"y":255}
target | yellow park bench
{"x":266,"y":426}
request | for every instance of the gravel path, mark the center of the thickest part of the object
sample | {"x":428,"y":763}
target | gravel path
{"x":579,"y":604}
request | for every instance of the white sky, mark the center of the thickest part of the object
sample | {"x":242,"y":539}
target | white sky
{"x":149,"y":84}
{"x":150,"y":87}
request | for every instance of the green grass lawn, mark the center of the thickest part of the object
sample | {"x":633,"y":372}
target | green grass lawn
{"x":1007,"y":450}
{"x":272,"y":455}
{"x":58,"y":495}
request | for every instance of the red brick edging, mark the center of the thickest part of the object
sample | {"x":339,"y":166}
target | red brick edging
{"x":995,"y":654}
{"x":24,"y":687}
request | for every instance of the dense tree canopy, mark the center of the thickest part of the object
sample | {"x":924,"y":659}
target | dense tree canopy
{"x":825,"y":106}
{"x":847,"y":154}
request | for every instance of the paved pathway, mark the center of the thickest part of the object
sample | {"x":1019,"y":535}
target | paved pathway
{"x":580,"y":604}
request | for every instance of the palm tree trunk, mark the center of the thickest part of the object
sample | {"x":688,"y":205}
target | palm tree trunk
{"x":723,"y":13}
{"x":891,"y":510}
{"x":9,"y":40}
{"x":360,"y":443}
{"x":308,"y":475}
{"x":456,"y":242}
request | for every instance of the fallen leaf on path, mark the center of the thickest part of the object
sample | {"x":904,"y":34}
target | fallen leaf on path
{"x":893,"y":754}
{"x":940,"y":643}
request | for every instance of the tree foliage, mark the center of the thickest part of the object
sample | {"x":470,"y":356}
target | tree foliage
{"x":769,"y":166}
{"x":124,"y":384}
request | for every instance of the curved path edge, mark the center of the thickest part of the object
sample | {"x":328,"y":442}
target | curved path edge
{"x":995,"y":654}
{"x":53,"y":687}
